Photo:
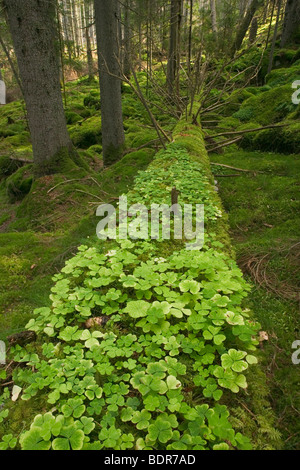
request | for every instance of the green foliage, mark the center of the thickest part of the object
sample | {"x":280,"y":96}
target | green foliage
{"x":274,"y":202}
{"x":271,"y":106}
{"x":19,"y":183}
{"x":176,"y":330}
{"x":7,"y":166}
{"x":88,"y":133}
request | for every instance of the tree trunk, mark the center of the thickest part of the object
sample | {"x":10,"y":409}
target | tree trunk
{"x":253,"y":30}
{"x":189,"y":58}
{"x":174,"y":46}
{"x":32,"y":26}
{"x":271,"y":58}
{"x":107,"y":27}
{"x":243,"y":28}
{"x":89,"y":53}
{"x":214,"y":17}
{"x":291,"y":24}
{"x":127,"y":40}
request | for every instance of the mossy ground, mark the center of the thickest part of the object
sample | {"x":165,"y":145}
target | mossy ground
{"x":43,"y":221}
{"x":41,"y":230}
{"x":264,"y":219}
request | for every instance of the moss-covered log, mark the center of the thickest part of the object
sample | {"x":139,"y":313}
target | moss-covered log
{"x":175,"y":367}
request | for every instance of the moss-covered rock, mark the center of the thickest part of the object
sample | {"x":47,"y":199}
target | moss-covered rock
{"x":267,"y":108}
{"x":7,"y":166}
{"x":283,"y":76}
{"x":72,"y":117}
{"x":19,"y":184}
{"x":88,"y":133}
{"x":91,"y":101}
{"x":235,"y":101}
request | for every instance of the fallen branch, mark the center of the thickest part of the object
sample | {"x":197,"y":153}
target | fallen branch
{"x":226,"y":176}
{"x":246,"y":131}
{"x":62,"y":182}
{"x":236,"y":169}
{"x":21,"y":160}
{"x":225,"y":144}
{"x":152,"y":142}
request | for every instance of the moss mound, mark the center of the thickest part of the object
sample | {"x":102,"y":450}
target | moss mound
{"x":88,"y":133}
{"x":7,"y":166}
{"x":19,"y":184}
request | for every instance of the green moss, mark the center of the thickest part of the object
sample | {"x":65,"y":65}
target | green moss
{"x":72,"y":117}
{"x":12,"y":129}
{"x":88,"y":133}
{"x":7,"y":166}
{"x":284,"y":140}
{"x":92,"y":101}
{"x":269,"y":107}
{"x":283,"y":76}
{"x":113,"y":154}
{"x":141,"y":137}
{"x":235,"y":100}
{"x":265,"y":229}
{"x":96,"y":149}
{"x":244,"y":114}
{"x":19,"y":184}
{"x":22,"y":139}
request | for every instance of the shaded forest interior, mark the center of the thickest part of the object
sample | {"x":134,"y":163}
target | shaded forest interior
{"x":141,"y":344}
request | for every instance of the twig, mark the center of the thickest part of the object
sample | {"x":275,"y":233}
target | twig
{"x":245,"y":131}
{"x":89,"y":194}
{"x":155,"y":141}
{"x":62,"y":182}
{"x":225,"y":144}
{"x":236,"y":169}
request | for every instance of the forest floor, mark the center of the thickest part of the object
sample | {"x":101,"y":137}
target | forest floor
{"x":38,"y":234}
{"x":264,"y":223}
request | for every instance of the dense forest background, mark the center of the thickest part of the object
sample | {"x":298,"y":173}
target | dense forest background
{"x":98,"y":92}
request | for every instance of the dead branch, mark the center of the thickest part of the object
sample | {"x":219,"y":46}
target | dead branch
{"x":246,"y":131}
{"x":224,"y":144}
{"x":236,"y":169}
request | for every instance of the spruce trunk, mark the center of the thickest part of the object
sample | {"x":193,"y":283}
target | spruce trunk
{"x":35,"y":38}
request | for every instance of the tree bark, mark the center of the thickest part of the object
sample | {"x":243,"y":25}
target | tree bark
{"x":174,"y":46}
{"x":213,"y":11}
{"x":271,"y":58}
{"x":189,"y":58}
{"x":32,"y":26}
{"x":253,"y":31}
{"x":243,"y":28}
{"x":127,"y":39}
{"x":89,"y":53}
{"x":107,"y":27}
{"x":291,"y":21}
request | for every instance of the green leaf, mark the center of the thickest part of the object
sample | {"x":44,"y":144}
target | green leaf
{"x":32,"y":440}
{"x":137,"y":308}
{"x":190,"y":286}
{"x":173,"y":383}
{"x":161,"y":430}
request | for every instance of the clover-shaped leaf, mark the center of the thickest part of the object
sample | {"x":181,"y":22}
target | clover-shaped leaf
{"x":141,"y":419}
{"x":32,"y":440}
{"x":73,"y":407}
{"x":234,"y":318}
{"x":137,"y":308}
{"x":173,"y":383}
{"x":230,"y":379}
{"x":212,"y":333}
{"x":234,"y":360}
{"x":8,"y":441}
{"x":190,"y":286}
{"x":70,"y":333}
{"x":160,"y":430}
{"x":90,"y":338}
{"x":72,"y":439}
